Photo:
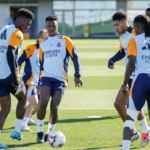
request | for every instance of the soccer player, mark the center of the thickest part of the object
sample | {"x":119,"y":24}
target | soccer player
{"x":126,"y":32}
{"x":139,"y":61}
{"x":147,"y":12}
{"x":54,"y":56}
{"x":31,"y":76}
{"x":11,"y":39}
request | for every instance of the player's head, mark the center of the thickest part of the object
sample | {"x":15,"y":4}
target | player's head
{"x":142,"y":24}
{"x":120,"y":21}
{"x":52,"y":25}
{"x":147,"y":12}
{"x":24,"y":19}
{"x":43,"y":34}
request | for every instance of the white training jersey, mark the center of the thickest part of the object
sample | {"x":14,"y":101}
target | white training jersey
{"x":54,"y":57}
{"x":9,"y":35}
{"x":139,"y":47}
{"x":32,"y":64}
{"x":124,"y":38}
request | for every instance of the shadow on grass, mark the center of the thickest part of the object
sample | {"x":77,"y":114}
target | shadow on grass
{"x":85,"y":119}
{"x":22,"y":145}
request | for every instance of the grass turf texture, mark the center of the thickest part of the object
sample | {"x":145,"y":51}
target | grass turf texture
{"x":96,"y":98}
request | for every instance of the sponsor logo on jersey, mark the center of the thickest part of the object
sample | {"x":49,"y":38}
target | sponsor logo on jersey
{"x":146,"y":47}
{"x":58,"y":45}
{"x":19,"y":37}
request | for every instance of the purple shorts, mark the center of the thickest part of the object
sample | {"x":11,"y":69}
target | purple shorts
{"x":53,"y":84}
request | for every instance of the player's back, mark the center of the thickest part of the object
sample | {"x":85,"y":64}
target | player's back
{"x":141,"y":48}
{"x":9,"y":35}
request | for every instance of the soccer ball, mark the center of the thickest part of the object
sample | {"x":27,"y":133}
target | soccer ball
{"x":56,"y":139}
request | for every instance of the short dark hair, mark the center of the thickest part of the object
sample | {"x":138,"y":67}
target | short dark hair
{"x":25,"y":13}
{"x":51,"y":18}
{"x":148,"y":9}
{"x":145,"y":21}
{"x":119,"y":15}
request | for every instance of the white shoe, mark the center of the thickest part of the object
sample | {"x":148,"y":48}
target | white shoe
{"x":32,"y":122}
{"x":145,"y":139}
{"x":135,"y":137}
{"x":25,"y":129}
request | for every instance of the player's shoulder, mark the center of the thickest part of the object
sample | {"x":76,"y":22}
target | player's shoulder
{"x":66,"y":38}
{"x":131,"y":30}
{"x":43,"y":41}
{"x":32,"y":48}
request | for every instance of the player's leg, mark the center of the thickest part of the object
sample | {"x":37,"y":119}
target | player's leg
{"x":33,"y":101}
{"x":148,"y":104}
{"x":45,"y":92}
{"x":128,"y":128}
{"x":20,"y":94}
{"x":5,"y":103}
{"x":53,"y":117}
{"x":31,"y":121}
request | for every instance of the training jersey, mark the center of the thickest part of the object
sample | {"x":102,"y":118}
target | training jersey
{"x":32,"y":64}
{"x":54,"y":57}
{"x":139,"y":47}
{"x":9,"y":35}
{"x":124,"y":38}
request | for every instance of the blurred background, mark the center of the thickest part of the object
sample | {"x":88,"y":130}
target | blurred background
{"x":77,"y":19}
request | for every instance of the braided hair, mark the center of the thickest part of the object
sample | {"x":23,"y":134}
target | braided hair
{"x":145,"y":21}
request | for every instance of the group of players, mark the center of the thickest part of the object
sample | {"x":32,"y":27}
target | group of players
{"x":45,"y":73}
{"x":135,"y":49}
{"x":46,"y":67}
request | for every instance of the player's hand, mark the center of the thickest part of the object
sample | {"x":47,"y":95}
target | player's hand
{"x":125,"y":89}
{"x":16,"y":86}
{"x":78,"y":82}
{"x":38,"y":89}
{"x":111,"y":64}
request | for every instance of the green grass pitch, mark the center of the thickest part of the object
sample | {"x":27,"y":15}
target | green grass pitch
{"x":95,"y":98}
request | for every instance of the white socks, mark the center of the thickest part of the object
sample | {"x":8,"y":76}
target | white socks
{"x":30,"y":118}
{"x":25,"y":121}
{"x":18,"y":124}
{"x":40,"y":124}
{"x":126,"y":145}
{"x":134,"y":130}
{"x":0,"y":131}
{"x":50,"y":128}
{"x":145,"y":127}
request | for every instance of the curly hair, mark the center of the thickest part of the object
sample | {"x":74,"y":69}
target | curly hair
{"x":119,"y":15}
{"x":25,"y":13}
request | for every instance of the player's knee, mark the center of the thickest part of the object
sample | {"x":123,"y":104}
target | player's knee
{"x":43,"y":104}
{"x":116,"y":104}
{"x":54,"y":107}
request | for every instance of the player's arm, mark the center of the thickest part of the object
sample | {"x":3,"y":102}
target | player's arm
{"x":118,"y":56}
{"x":131,"y":64}
{"x":25,"y":55}
{"x":41,"y":57}
{"x":74,"y":56}
{"x":11,"y":62}
{"x":16,"y":39}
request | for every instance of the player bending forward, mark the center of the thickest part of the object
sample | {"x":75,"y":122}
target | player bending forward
{"x":54,"y":56}
{"x":31,"y":76}
{"x":126,"y":32}
{"x":11,"y":39}
{"x":139,"y":60}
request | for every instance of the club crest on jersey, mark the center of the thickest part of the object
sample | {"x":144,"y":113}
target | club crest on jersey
{"x":58,"y":45}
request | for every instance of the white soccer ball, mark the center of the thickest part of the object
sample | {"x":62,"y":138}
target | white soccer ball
{"x":56,"y":139}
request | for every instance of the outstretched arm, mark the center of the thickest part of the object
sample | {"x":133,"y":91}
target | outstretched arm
{"x":118,"y":56}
